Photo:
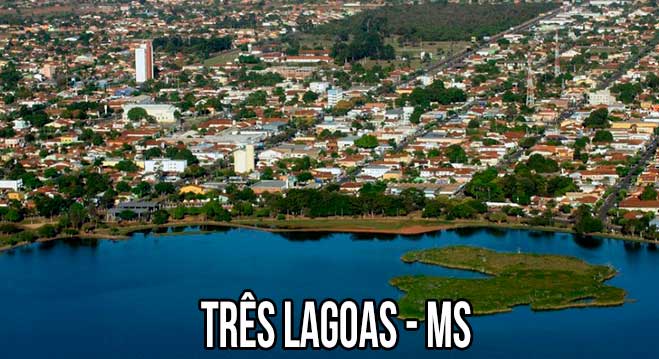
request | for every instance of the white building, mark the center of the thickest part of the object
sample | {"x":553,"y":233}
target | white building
{"x":13,"y":185}
{"x":375,"y":171}
{"x":165,"y":165}
{"x":333,"y":97}
{"x":143,"y":63}
{"x":243,"y":160}
{"x":21,"y":124}
{"x":602,"y":97}
{"x":163,"y":113}
{"x":318,"y":87}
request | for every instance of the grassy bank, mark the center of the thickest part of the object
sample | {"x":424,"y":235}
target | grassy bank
{"x":375,"y":225}
{"x":545,"y":282}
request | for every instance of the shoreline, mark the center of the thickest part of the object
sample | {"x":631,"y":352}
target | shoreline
{"x":323,"y":225}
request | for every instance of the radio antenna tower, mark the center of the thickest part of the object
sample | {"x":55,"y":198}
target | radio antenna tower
{"x":557,"y":61}
{"x":530,"y":87}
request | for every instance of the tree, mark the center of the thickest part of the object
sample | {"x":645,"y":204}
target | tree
{"x":179,"y":212}
{"x":540,"y":164}
{"x":627,"y":92}
{"x":585,"y":222}
{"x":415,"y":117}
{"x":257,"y":98}
{"x":497,"y":217}
{"x":304,"y":176}
{"x":160,"y":217}
{"x":560,"y":185}
{"x":456,"y":154}
{"x":214,"y":211}
{"x":122,"y":187}
{"x":433,"y":209}
{"x":309,"y":97}
{"x":127,"y":215}
{"x":14,"y":215}
{"x":649,"y":193}
{"x":9,"y":76}
{"x":49,"y":207}
{"x":597,"y":119}
{"x":164,"y":188}
{"x":47,"y":231}
{"x":153,"y":152}
{"x":77,"y":215}
{"x":603,"y":136}
{"x":142,"y":189}
{"x":267,"y":174}
{"x":367,"y":141}
{"x":126,"y":166}
{"x":137,"y":113}
{"x":51,"y":172}
{"x":485,"y":186}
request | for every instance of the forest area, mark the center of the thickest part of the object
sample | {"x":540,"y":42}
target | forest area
{"x":438,"y":21}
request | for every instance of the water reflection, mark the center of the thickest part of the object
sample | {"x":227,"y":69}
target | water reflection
{"x":144,"y":232}
{"x":214,"y":228}
{"x":160,"y":230}
{"x":26,"y":249}
{"x":541,"y":234}
{"x":632,"y":247}
{"x":587,"y":242}
{"x":178,"y":229}
{"x":418,"y":237}
{"x":47,"y":246}
{"x":304,"y":236}
{"x":496,"y":232}
{"x":465,"y":232}
{"x":76,"y":242}
{"x":373,"y":236}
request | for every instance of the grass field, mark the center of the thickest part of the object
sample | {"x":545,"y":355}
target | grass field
{"x":222,"y":58}
{"x":411,"y":51}
{"x":545,"y":282}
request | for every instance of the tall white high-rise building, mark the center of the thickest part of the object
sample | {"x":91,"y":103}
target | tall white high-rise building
{"x":144,"y":62}
{"x":243,"y":160}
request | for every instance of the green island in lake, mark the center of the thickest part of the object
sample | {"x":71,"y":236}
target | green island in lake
{"x":545,"y":282}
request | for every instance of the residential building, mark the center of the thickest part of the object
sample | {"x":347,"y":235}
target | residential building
{"x":243,"y":160}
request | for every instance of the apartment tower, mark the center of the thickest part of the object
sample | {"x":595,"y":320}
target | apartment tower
{"x":144,"y":62}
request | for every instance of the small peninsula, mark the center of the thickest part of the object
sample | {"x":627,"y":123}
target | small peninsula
{"x":544,"y":282}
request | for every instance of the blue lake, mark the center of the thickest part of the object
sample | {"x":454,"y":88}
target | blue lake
{"x":138,"y":298}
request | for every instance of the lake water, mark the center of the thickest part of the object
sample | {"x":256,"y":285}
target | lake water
{"x":138,"y":298}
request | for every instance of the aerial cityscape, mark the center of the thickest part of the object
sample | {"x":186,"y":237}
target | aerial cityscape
{"x":122,"y":119}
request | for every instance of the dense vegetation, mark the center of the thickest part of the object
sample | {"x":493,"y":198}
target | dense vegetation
{"x":365,"y":41}
{"x":526,"y":181}
{"x":198,"y":46}
{"x":545,"y":282}
{"x":439,"y":21}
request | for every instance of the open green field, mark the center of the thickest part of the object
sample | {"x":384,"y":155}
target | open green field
{"x":410,"y":50}
{"x":222,"y":58}
{"x":545,"y":282}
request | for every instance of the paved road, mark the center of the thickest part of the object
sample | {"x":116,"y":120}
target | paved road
{"x":625,"y":182}
{"x":623,"y":68}
{"x":461,"y":56}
